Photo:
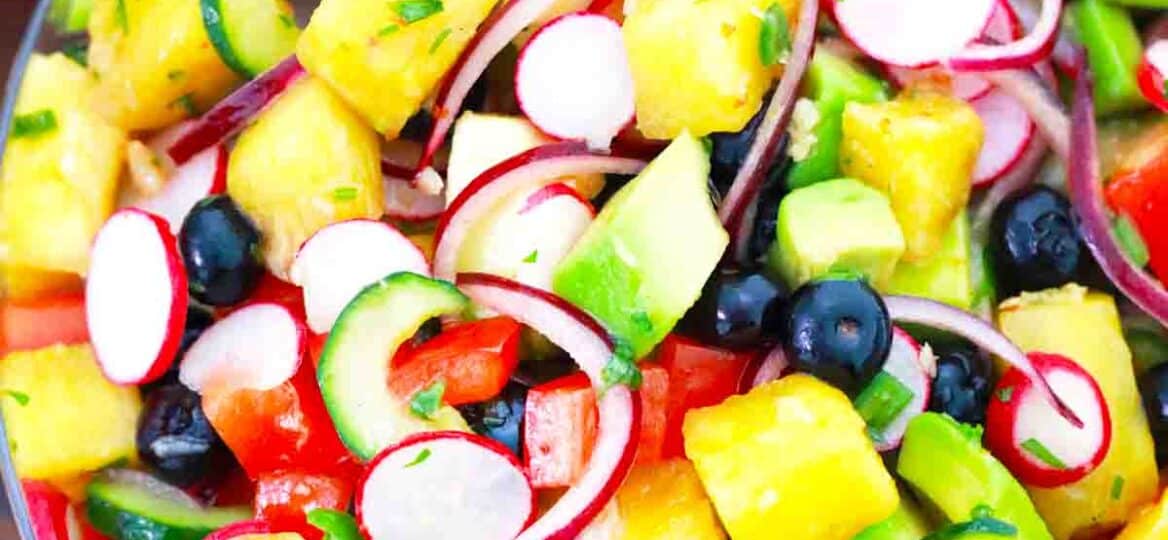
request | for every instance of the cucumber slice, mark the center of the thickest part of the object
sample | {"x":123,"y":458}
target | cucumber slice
{"x":354,"y":365}
{"x":128,"y":505}
{"x":251,"y":35}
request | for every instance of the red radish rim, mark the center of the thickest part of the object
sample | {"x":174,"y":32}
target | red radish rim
{"x":1021,"y":174}
{"x":551,"y":191}
{"x":423,"y":207}
{"x":494,"y":34}
{"x":231,"y":114}
{"x":241,"y":528}
{"x":893,"y":434}
{"x":619,"y":407}
{"x":428,"y":436}
{"x":1041,"y":101}
{"x":1086,"y":186}
{"x":614,"y":68}
{"x":214,"y":354}
{"x":763,"y":368}
{"x":1150,"y":74}
{"x":997,"y":98}
{"x":936,"y":314}
{"x":542,"y":164}
{"x":176,"y":316}
{"x":959,"y":36}
{"x":1021,"y":53}
{"x":164,"y":205}
{"x":765,"y":146}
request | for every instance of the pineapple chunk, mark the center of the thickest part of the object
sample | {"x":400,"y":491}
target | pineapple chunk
{"x":792,"y":460}
{"x":73,"y":421}
{"x":1085,"y":326}
{"x":308,"y":161}
{"x":665,"y":500}
{"x":919,"y":149}
{"x":1149,"y":524}
{"x":59,"y":185}
{"x":155,"y":62}
{"x":696,"y":64}
{"x":383,"y":64}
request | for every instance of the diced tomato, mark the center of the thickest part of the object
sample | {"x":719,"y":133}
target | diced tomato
{"x":36,"y":323}
{"x":473,"y":359}
{"x":315,"y":347}
{"x":285,"y":498}
{"x":699,"y":376}
{"x":272,"y":289}
{"x":654,"y":403}
{"x":1139,"y":189}
{"x":48,"y":510}
{"x":559,"y":428}
{"x":282,"y":428}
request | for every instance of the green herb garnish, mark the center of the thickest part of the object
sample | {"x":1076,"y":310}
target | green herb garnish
{"x":532,"y":257}
{"x":20,"y":397}
{"x":621,"y":368}
{"x":388,"y":30}
{"x":427,"y":401}
{"x":412,"y":11}
{"x":642,"y":321}
{"x":1004,"y":394}
{"x":1042,"y":453}
{"x":774,"y":38}
{"x":335,"y":524}
{"x":187,"y":103}
{"x":287,"y":20}
{"x":1116,"y":488}
{"x":882,"y":401}
{"x":346,"y":193}
{"x":77,"y":51}
{"x":984,"y":525}
{"x":1130,"y":241}
{"x":175,"y":74}
{"x":122,"y":17}
{"x":422,"y":456}
{"x":34,"y":123}
{"x":439,"y":39}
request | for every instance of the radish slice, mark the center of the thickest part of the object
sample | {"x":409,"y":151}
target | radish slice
{"x":405,"y":201}
{"x":735,"y":210}
{"x":444,"y":484}
{"x":257,"y":347}
{"x":1008,"y":130}
{"x":927,"y":312}
{"x":1151,"y":74}
{"x":573,"y":80}
{"x":1085,"y":186}
{"x":135,"y":297}
{"x":619,"y":408}
{"x":232,"y":114}
{"x":539,"y":166}
{"x":1021,"y":174}
{"x":1039,"y":447}
{"x":339,"y":260}
{"x":242,"y":528}
{"x":1037,"y":95}
{"x":763,"y":369}
{"x":494,"y":34}
{"x":912,"y":33}
{"x":203,"y":175}
{"x":911,"y":365}
{"x":1019,"y":54}
{"x":49,"y":513}
{"x":550,"y":192}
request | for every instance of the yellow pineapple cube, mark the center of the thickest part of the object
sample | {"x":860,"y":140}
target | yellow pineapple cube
{"x":791,"y":460}
{"x":58,"y":184}
{"x":665,"y":500}
{"x":385,"y":57}
{"x":63,"y":417}
{"x":920,"y":149}
{"x":696,"y":64}
{"x":1151,"y":523}
{"x":1085,"y":327}
{"x":155,"y":62}
{"x":306,"y":162}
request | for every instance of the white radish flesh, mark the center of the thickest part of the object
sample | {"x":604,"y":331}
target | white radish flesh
{"x":257,"y":347}
{"x":1008,"y":130}
{"x":912,"y":33}
{"x":908,"y":363}
{"x":203,"y":175}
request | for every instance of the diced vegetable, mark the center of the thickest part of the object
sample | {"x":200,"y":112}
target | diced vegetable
{"x":1113,"y":50}
{"x":32,"y":324}
{"x":559,"y":428}
{"x":944,"y":276}
{"x":1139,"y":190}
{"x":699,"y":376}
{"x":49,"y":512}
{"x":154,"y":62}
{"x":251,"y":35}
{"x":63,"y":417}
{"x":474,"y":360}
{"x":70,"y":16}
{"x":1149,"y":524}
{"x":126,"y":504}
{"x":666,"y":500}
{"x":654,"y":393}
{"x":285,"y":498}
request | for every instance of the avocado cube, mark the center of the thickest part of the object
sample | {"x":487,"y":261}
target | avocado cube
{"x":945,"y":276}
{"x":838,"y":225}
{"x":642,"y":263}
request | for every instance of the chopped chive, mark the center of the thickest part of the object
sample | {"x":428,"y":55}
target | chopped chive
{"x":1004,"y":394}
{"x":1130,"y":241}
{"x":34,"y":123}
{"x":532,"y":257}
{"x":187,"y":102}
{"x":621,"y":368}
{"x":412,"y":11}
{"x":119,"y":463}
{"x":439,"y":39}
{"x":707,"y":144}
{"x":1116,"y":488}
{"x":427,"y":401}
{"x":642,"y":322}
{"x":20,"y":397}
{"x":123,"y":17}
{"x":336,"y":525}
{"x":347,"y":193}
{"x":1042,"y":453}
{"x":388,"y":30}
{"x":984,"y":525}
{"x":175,"y":74}
{"x":77,"y":51}
{"x":422,"y":456}
{"x":287,"y":20}
{"x":774,"y":38}
{"x":882,"y":401}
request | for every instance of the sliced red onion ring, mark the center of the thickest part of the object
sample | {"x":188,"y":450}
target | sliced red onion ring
{"x":763,"y":369}
{"x":1085,"y":185}
{"x":1063,"y":53}
{"x":1022,"y":53}
{"x":494,"y":34}
{"x":539,"y":166}
{"x":619,"y":408}
{"x":765,"y":147}
{"x":403,"y":200}
{"x":1040,"y":100}
{"x":1020,"y":175}
{"x":231,"y":115}
{"x":912,"y":309}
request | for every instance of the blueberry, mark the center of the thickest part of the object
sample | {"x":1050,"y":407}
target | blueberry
{"x":1154,"y":390}
{"x":737,"y":310}
{"x":198,"y":320}
{"x":765,"y":227}
{"x":175,"y":438}
{"x":962,"y":387}
{"x":728,"y":152}
{"x":418,"y":127}
{"x":838,"y":330}
{"x":220,"y":248}
{"x":500,"y":418}
{"x":1035,"y":242}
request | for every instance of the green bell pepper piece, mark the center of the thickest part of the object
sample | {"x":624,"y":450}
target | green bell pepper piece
{"x":1114,"y":50}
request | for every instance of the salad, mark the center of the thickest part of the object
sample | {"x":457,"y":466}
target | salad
{"x":619,"y":269}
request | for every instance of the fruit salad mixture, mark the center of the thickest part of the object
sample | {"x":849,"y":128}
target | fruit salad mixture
{"x":597,"y":269}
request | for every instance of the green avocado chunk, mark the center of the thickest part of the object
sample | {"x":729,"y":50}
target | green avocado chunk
{"x":839,"y":225}
{"x":944,"y":462}
{"x":642,"y":263}
{"x":907,"y":523}
{"x":945,"y":276}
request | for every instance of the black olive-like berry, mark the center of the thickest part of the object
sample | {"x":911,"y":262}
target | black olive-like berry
{"x":738,"y":309}
{"x":962,"y":387}
{"x":1154,"y":390}
{"x":221,"y":251}
{"x":1035,"y":242}
{"x":500,"y":418}
{"x":174,"y":436}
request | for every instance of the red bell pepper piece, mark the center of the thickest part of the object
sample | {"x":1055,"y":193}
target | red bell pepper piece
{"x":473,"y":359}
{"x":271,"y":289}
{"x":282,"y":428}
{"x":32,"y":324}
{"x":284,"y":499}
{"x":699,"y":376}
{"x":49,"y":511}
{"x":654,"y":405}
{"x":1139,"y":188}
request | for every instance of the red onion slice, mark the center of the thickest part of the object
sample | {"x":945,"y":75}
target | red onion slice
{"x":539,"y":166}
{"x":1041,"y":101}
{"x":619,"y":408}
{"x":1085,"y":185}
{"x":935,"y":314}
{"x":765,"y":147}
{"x":1020,"y":175}
{"x":1063,"y":53}
{"x":764,"y":368}
{"x":1018,"y":54}
{"x":403,"y":200}
{"x":494,"y":34}
{"x":231,"y":115}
